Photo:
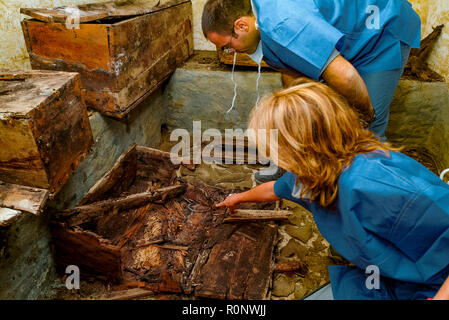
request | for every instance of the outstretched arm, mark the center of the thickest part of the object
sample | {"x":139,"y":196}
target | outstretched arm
{"x":341,"y":75}
{"x":261,"y":193}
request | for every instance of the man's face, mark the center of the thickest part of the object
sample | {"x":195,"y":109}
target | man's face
{"x":244,"y":38}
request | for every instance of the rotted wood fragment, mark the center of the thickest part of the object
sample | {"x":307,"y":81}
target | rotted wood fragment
{"x":241,"y":215}
{"x":92,"y":254}
{"x":86,"y":213}
{"x":117,"y":180}
{"x":237,"y":267}
{"x":22,"y":198}
{"x":172,"y":247}
{"x":288,"y":266}
{"x":417,"y":67}
{"x":130,"y":294}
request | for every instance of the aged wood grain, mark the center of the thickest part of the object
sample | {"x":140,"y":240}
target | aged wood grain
{"x":121,"y":62}
{"x":85,"y":213}
{"x":22,"y":198}
{"x":95,"y":11}
{"x":130,"y":294}
{"x":240,"y":266}
{"x":116,"y":180}
{"x":92,"y":254}
{"x":241,"y":215}
{"x":44,"y":128}
{"x":176,"y":245}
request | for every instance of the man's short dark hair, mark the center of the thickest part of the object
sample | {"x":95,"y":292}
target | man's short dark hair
{"x":219,"y":15}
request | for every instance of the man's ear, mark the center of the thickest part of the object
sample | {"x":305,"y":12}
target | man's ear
{"x":241,"y":25}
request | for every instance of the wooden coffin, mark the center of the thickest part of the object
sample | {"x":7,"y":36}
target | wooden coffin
{"x":44,"y":128}
{"x":140,"y":226}
{"x":122,"y":51}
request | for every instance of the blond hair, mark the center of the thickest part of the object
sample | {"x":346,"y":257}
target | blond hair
{"x":318,"y":135}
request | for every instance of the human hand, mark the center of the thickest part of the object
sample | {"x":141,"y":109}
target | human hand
{"x":230,"y":202}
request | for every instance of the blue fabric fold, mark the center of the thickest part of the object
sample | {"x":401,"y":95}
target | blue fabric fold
{"x":300,"y":35}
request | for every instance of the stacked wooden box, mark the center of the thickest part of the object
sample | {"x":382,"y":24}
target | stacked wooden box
{"x":123,"y":52}
{"x":44,"y":135}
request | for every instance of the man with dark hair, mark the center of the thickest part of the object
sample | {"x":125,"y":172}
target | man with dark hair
{"x":358,"y":47}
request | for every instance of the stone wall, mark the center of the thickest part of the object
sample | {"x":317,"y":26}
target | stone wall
{"x":26,"y":262}
{"x":419,"y":116}
{"x":205,"y":91}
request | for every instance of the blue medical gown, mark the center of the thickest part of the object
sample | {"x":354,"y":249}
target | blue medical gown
{"x":300,"y":35}
{"x":393,"y":213}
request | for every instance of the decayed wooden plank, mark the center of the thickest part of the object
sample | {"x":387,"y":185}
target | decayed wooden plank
{"x":63,"y":14}
{"x":258,"y":215}
{"x":257,"y":285}
{"x":22,"y":198}
{"x":118,"y":179}
{"x":130,"y":294}
{"x":87,"y":45}
{"x":138,"y":44}
{"x":92,"y":254}
{"x":86,"y":213}
{"x":9,"y":216}
{"x":238,"y":267}
{"x":119,"y":104}
{"x":155,"y":165}
{"x":417,"y":66}
{"x":95,"y":11}
{"x":63,"y":133}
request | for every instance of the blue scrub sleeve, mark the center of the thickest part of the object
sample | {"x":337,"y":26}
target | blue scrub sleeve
{"x":284,"y":186}
{"x":304,"y":42}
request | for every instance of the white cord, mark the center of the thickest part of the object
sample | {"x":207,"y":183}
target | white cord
{"x":257,"y":82}
{"x":235,"y":87}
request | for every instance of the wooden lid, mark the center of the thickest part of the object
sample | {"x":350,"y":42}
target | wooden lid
{"x":97,"y":11}
{"x":18,"y":197}
{"x":22,"y":91}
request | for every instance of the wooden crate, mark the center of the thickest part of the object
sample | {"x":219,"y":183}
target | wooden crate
{"x":123,"y":52}
{"x":140,"y":226}
{"x":44,"y":128}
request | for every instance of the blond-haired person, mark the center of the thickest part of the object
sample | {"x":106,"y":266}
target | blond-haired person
{"x":375,"y":206}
